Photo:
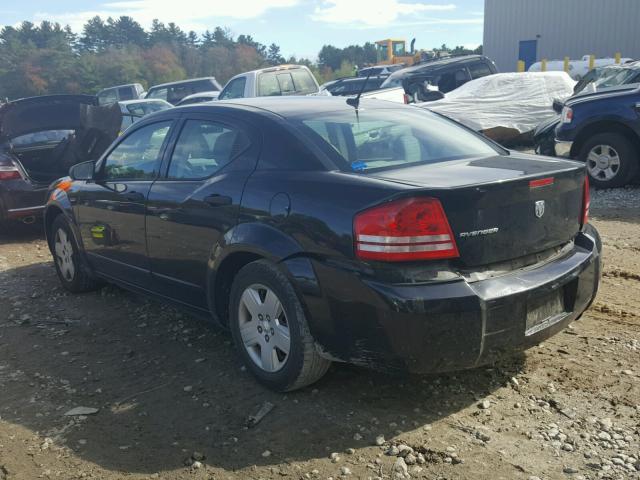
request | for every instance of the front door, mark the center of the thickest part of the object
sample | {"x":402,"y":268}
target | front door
{"x":191,"y":208}
{"x":528,"y":52}
{"x":111,"y":211}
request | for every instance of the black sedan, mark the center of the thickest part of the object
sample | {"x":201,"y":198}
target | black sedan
{"x":387,"y":236}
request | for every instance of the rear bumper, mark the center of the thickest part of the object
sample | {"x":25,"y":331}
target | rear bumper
{"x":449,"y":325}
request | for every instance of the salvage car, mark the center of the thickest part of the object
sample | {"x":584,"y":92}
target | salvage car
{"x":506,"y":107}
{"x":283,"y":80}
{"x":131,"y":91}
{"x":198,"y":98}
{"x":40,"y":138}
{"x":134,"y":110}
{"x":318,"y":230}
{"x":344,"y":87}
{"x":446,"y":74}
{"x":174,"y":92}
{"x":602,"y":129}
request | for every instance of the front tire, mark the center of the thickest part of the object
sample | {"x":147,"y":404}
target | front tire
{"x":270,"y":330}
{"x":73,"y":272}
{"x":611,"y":160}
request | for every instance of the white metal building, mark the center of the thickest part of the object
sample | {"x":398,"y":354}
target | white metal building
{"x":531,"y":30}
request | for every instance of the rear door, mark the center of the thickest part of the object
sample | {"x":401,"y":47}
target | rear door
{"x":111,"y":210}
{"x":196,"y":202}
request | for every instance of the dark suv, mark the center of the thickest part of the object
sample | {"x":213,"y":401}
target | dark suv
{"x":445,"y":73}
{"x":175,"y":91}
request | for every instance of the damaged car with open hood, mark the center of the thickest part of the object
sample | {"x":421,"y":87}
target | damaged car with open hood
{"x":40,"y":139}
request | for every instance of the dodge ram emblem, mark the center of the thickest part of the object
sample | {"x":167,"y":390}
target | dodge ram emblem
{"x":539,"y":208}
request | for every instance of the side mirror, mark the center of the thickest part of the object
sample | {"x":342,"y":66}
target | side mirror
{"x":557,"y":106}
{"x":82,"y":171}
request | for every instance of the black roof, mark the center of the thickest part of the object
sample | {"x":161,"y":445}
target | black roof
{"x":285,"y":106}
{"x":436,"y":64}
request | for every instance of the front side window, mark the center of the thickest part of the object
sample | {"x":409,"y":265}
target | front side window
{"x":390,"y":138}
{"x":205,"y":147}
{"x":137,"y":157}
{"x":235,"y":89}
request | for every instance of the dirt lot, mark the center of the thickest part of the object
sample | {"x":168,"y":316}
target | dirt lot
{"x":170,"y":392}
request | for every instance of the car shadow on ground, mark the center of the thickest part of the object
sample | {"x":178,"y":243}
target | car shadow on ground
{"x":167,"y":384}
{"x":18,"y":232}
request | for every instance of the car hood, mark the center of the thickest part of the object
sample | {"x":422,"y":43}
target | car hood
{"x":58,"y":112}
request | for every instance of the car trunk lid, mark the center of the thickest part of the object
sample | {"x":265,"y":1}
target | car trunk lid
{"x":504,"y":207}
{"x":93,"y":129}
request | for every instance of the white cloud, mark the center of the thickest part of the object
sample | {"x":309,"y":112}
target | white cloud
{"x":187,"y":14}
{"x":372,"y":13}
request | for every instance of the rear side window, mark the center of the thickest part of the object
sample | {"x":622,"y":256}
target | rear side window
{"x":478,"y":70}
{"x":204,"y":148}
{"x":137,"y":157}
{"x":235,"y":89}
{"x":303,"y":81}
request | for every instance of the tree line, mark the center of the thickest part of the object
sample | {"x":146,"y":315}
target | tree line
{"x":49,"y":58}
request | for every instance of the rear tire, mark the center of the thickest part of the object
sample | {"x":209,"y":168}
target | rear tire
{"x":266,"y":320}
{"x":611,"y":160}
{"x":73,"y":271}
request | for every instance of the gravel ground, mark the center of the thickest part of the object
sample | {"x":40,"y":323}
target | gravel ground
{"x":160,"y":394}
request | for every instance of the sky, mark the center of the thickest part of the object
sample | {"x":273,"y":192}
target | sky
{"x":300,"y":27}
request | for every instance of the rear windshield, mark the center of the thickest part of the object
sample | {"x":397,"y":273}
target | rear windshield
{"x":391,"y":138}
{"x":40,"y":138}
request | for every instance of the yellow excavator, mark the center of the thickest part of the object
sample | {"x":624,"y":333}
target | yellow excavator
{"x":392,"y":51}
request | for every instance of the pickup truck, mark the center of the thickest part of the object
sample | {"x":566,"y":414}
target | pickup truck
{"x":277,"y":81}
{"x":602,"y":129}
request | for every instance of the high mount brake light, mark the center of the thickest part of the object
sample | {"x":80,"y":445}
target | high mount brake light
{"x":404,"y":230}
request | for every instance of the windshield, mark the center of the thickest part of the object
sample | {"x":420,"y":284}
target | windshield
{"x":391,"y":138}
{"x":392,"y":82}
{"x":615,"y":77}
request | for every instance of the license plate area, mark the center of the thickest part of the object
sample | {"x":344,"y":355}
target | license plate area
{"x":544,"y":311}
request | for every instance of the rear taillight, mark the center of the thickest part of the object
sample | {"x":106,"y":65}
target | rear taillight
{"x":404,"y":230}
{"x":9,"y":173}
{"x":405,"y":98}
{"x":586,"y":201}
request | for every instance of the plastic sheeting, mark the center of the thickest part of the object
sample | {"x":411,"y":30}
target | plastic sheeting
{"x":517,"y":101}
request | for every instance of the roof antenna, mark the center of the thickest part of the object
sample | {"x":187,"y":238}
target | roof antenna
{"x":355,"y":101}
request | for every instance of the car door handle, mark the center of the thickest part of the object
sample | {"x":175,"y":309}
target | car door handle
{"x":216,"y":200}
{"x":134,"y":197}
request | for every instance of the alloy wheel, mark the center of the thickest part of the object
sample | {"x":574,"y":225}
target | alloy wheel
{"x":64,"y":254}
{"x":603,"y":162}
{"x":264,"y":328}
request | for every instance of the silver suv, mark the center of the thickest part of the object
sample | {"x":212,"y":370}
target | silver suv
{"x":269,"y":82}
